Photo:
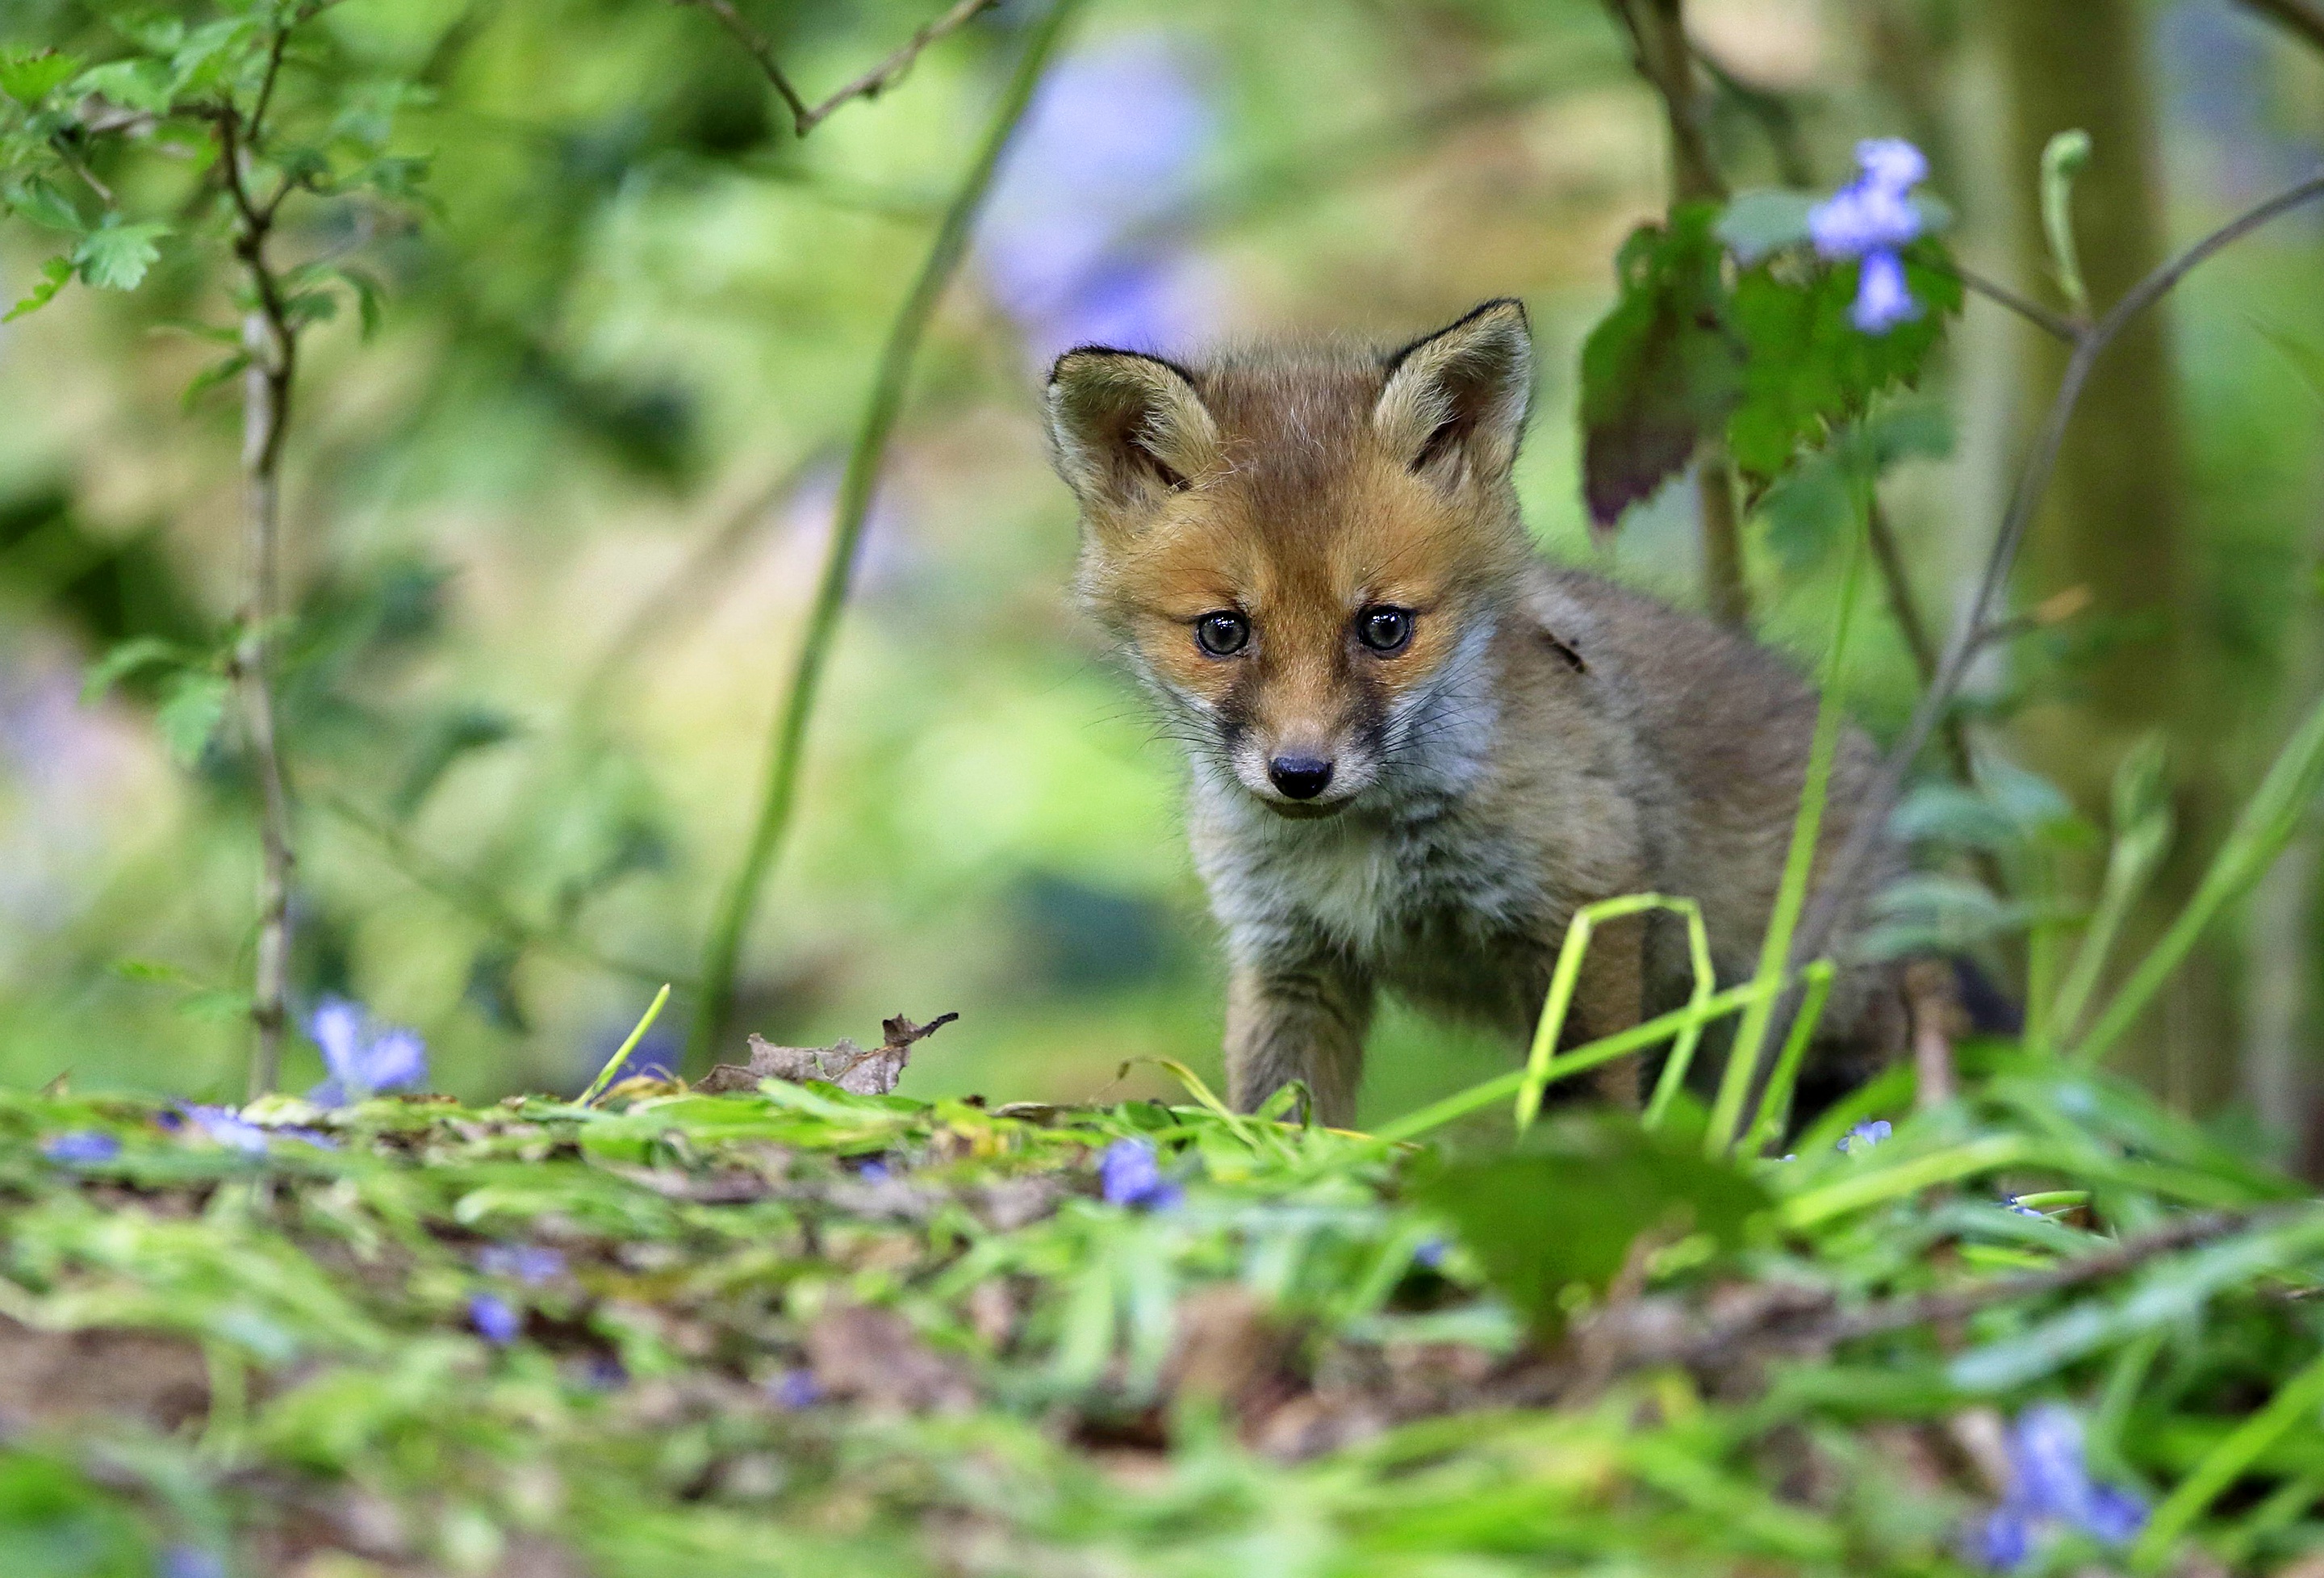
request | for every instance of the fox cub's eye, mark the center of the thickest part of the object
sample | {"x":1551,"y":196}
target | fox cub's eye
{"x":1223,"y":634}
{"x":1384,"y":629}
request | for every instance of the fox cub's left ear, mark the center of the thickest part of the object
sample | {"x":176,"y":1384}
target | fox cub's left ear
{"x":1127,"y":428}
{"x":1457,"y":398}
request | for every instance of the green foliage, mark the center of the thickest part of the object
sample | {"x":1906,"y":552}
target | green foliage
{"x":1554,"y":1222}
{"x":1664,"y":368}
{"x":744,"y":1342}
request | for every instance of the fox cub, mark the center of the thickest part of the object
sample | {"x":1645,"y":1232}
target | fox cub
{"x":1416,"y":749}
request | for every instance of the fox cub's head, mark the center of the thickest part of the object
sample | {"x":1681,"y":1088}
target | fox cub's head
{"x":1304,"y":552}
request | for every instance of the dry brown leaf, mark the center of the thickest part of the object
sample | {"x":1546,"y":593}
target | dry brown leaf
{"x":852,"y":1068}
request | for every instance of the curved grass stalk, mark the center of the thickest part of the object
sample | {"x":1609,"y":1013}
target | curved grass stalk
{"x":1775,"y":1104}
{"x":1566,"y":976}
{"x":1776,"y":950}
{"x":2294,"y":1402}
{"x":2141,"y":834}
{"x":786,"y":745}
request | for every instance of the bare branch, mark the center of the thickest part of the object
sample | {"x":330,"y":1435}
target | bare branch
{"x":1974,"y":629}
{"x":806,"y":117}
{"x":2055,"y":324}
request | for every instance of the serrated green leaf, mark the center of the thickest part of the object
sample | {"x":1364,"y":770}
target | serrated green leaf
{"x":1810,"y":369}
{"x":116,"y":257}
{"x":1662,"y":370}
{"x":29,"y":77}
{"x":131,"y":657}
{"x":1560,"y":1214}
{"x":39,"y":199}
{"x":139,"y":83}
{"x":54,"y":275}
{"x":191,"y":714}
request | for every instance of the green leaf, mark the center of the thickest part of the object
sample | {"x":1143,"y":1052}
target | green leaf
{"x":139,"y":83}
{"x":369,"y":299}
{"x":116,"y":257}
{"x":1662,"y":370}
{"x":54,"y":275}
{"x":191,"y":714}
{"x":1810,"y":369}
{"x":211,"y":376}
{"x":1555,"y":1221}
{"x":30,"y":76}
{"x":1758,"y":223}
{"x":39,"y":199}
{"x":131,"y":657}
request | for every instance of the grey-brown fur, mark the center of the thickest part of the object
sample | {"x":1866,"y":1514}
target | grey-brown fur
{"x":1546,"y":739}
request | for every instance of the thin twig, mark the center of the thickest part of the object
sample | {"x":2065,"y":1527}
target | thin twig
{"x":786,"y":747}
{"x":2058,"y":324}
{"x":271,"y":345}
{"x":806,"y":117}
{"x":1889,"y":555}
{"x":1872,"y":820}
{"x":1778,"y":121}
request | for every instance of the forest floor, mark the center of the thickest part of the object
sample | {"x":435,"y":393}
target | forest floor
{"x":799,"y":1328}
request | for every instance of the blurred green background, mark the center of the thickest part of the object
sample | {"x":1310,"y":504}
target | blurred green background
{"x":552,"y":529}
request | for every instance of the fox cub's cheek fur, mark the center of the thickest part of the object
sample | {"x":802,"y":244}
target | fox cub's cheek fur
{"x":1301,"y":558}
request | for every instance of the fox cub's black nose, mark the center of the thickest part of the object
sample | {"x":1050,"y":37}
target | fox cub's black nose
{"x":1303,"y":778}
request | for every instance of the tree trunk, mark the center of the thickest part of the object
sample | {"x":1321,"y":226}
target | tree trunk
{"x":2114,"y":519}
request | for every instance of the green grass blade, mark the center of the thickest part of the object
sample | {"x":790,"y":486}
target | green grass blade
{"x":2296,"y":1401}
{"x":637,"y":1034}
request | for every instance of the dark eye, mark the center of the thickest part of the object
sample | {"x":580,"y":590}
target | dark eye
{"x":1223,"y":634}
{"x":1384,"y":629}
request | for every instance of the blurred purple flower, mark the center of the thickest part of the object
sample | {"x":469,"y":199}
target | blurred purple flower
{"x":1869,"y":219}
{"x":1109,"y":147}
{"x":81,"y":1148}
{"x":530,"y":1264}
{"x":873,"y":1171}
{"x":223,"y":1126}
{"x":189,"y":1562}
{"x":599,"y":1372}
{"x":1430,"y":1253}
{"x":364,"y":1059}
{"x":2018,"y":1205}
{"x":1129,"y":1175}
{"x":494,"y":1318}
{"x":2049,"y":1482}
{"x":1865,"y":1136}
{"x":794,"y":1389}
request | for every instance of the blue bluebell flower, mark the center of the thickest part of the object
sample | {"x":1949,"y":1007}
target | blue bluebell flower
{"x":496,"y":1320}
{"x":1129,"y":1175}
{"x":1075,"y":243}
{"x":224,"y":1126}
{"x":1864,"y":1136}
{"x":530,"y":1264}
{"x":794,"y":1389}
{"x":364,"y":1059}
{"x":2050,"y":1484}
{"x":81,"y":1148}
{"x":1869,"y":220}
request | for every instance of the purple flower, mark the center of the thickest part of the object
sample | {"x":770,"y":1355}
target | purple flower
{"x":1882,"y":300}
{"x":364,"y":1059}
{"x":81,"y":1148}
{"x":1430,"y":1253}
{"x":223,"y":1126}
{"x":2051,"y":1483}
{"x":2017,"y":1205}
{"x":1129,"y":1175}
{"x":495,"y":1319}
{"x":1864,"y":1136}
{"x":1869,"y":219}
{"x":189,"y":1562}
{"x":873,"y":1172}
{"x":794,"y":1389}
{"x":530,"y":1264}
{"x":599,"y":1372}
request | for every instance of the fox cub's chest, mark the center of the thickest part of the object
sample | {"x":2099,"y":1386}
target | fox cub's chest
{"x":1377,"y":892}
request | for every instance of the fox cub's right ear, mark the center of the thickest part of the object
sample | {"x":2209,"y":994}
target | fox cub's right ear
{"x":1127,"y":428}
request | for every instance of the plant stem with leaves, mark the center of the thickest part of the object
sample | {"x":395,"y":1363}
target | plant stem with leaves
{"x":786,"y":744}
{"x":270,"y":342}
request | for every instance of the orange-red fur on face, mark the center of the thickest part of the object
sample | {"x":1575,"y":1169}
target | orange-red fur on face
{"x":1298,"y":492}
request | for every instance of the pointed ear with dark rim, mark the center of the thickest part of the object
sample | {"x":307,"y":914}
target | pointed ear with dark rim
{"x":1125,"y":427}
{"x":1456,"y":399}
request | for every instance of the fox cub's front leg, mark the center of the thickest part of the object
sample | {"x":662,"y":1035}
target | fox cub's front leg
{"x":1303,"y":1021}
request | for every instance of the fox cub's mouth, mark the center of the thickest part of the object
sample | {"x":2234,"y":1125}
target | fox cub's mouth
{"x":1304,"y":810}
